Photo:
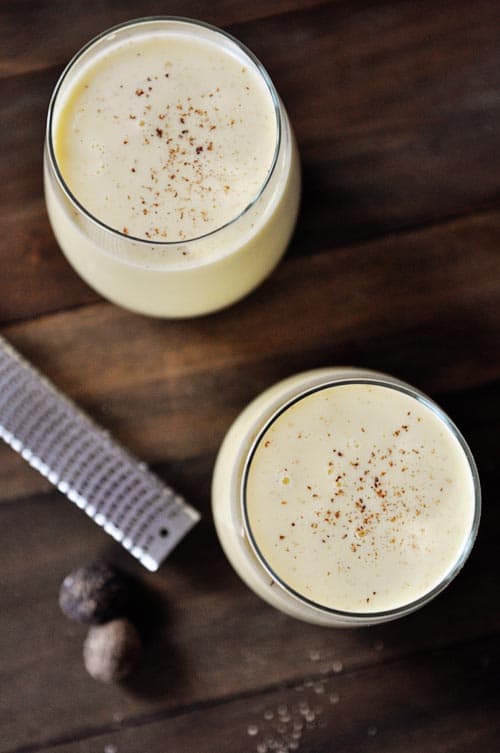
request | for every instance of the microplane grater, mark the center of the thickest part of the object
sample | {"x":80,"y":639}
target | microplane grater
{"x":117,"y":491}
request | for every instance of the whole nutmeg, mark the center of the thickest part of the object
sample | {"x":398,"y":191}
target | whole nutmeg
{"x":94,"y":593}
{"x":111,"y":651}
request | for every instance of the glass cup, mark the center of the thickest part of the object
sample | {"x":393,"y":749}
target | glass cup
{"x":187,"y":277}
{"x":233,"y":520}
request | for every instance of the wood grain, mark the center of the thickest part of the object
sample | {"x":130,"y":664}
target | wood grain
{"x":194,"y":658}
{"x":30,"y":32}
{"x":394,"y":266}
{"x":169,"y":390}
{"x":395,"y":107}
{"x":417,"y":707}
{"x":209,"y":638}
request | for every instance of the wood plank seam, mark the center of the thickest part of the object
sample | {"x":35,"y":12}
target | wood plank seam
{"x":141,"y":721}
{"x":483,"y":212}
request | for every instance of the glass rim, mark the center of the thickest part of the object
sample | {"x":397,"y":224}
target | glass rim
{"x":449,"y":576}
{"x":261,"y":70}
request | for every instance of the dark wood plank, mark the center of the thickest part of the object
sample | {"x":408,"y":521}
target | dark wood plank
{"x":210,"y":638}
{"x":415,"y":706}
{"x":394,"y":266}
{"x":395,"y":106}
{"x":422,"y":306}
{"x":406,"y":686}
{"x":391,"y":104}
{"x":30,"y":37}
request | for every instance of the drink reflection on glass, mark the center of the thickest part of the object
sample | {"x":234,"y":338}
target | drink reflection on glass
{"x":171,"y":173}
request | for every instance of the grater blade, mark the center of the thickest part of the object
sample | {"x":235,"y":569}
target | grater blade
{"x":117,"y":491}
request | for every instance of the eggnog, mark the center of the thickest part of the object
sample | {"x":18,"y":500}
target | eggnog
{"x":345,"y":497}
{"x":171,"y":175}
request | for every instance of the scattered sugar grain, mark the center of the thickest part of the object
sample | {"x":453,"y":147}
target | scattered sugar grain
{"x":252,"y":730}
{"x":372,"y":731}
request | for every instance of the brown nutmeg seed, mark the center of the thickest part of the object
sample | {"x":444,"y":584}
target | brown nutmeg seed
{"x":111,"y":651}
{"x":94,"y":593}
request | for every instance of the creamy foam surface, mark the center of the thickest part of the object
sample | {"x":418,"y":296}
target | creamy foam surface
{"x":360,"y":498}
{"x":166,"y":137}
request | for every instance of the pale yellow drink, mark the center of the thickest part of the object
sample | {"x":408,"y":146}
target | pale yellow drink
{"x":353,"y":503}
{"x":172,"y":179}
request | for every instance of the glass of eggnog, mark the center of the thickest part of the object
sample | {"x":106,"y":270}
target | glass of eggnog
{"x":171,"y":173}
{"x":345,"y":497}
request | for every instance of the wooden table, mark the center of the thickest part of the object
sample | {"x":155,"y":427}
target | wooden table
{"x":394,"y":266}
